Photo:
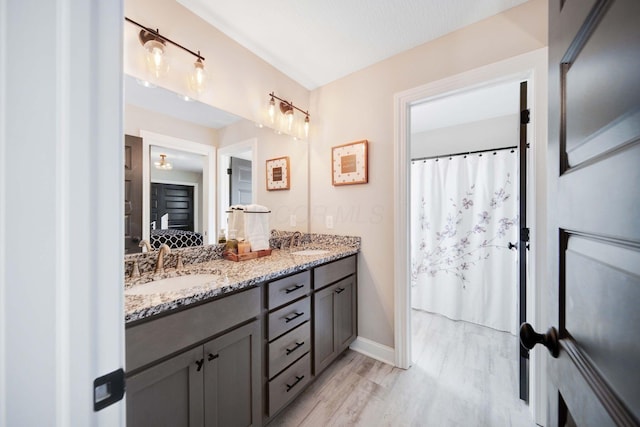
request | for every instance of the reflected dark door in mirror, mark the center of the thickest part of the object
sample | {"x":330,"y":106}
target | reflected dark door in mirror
{"x":175,"y":200}
{"x":132,"y":193}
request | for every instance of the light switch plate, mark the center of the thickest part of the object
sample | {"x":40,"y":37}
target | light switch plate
{"x":292,"y":220}
{"x":329,"y":221}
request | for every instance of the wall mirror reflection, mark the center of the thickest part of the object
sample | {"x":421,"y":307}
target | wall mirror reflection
{"x":216,"y":160}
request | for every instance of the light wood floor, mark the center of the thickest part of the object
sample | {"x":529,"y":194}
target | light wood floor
{"x":463,"y":375}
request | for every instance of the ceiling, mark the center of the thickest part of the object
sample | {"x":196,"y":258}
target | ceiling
{"x":163,"y":101}
{"x":483,"y":103}
{"x":317,"y":42}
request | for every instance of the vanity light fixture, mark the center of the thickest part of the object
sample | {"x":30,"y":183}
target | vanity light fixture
{"x":163,"y":164}
{"x":287,"y":110}
{"x":157,"y":61}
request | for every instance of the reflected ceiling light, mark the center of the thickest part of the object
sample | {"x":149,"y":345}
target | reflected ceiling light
{"x":198,"y":76}
{"x":163,"y":164}
{"x":288,"y":122}
{"x":157,"y":62}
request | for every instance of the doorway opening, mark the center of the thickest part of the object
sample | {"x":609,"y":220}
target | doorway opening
{"x":529,"y":67}
{"x":465,"y":216}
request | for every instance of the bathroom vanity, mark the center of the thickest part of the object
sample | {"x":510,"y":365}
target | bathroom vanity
{"x":236,"y":350}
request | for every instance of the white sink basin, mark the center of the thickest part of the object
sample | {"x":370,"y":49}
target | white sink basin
{"x":172,"y":284}
{"x":311,"y":252}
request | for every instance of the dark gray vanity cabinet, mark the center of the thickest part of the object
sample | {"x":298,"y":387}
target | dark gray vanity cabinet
{"x":181,"y":378}
{"x":335,"y":310}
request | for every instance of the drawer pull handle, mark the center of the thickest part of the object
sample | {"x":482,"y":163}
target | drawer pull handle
{"x":295,"y":316}
{"x":298,"y":379}
{"x":293,"y":289}
{"x":339,"y":290}
{"x":297,"y":346}
{"x":199,"y":363}
{"x":212,"y":357}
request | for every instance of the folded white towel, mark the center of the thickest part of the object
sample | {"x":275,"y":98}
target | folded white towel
{"x":236,"y":223}
{"x":256,"y":228}
{"x":256,"y":208}
{"x":164,"y":221}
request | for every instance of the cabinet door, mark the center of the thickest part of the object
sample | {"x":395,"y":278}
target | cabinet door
{"x":335,"y":320}
{"x":324,"y":347}
{"x":168,"y":394}
{"x":232,"y":378}
{"x":345,"y":312}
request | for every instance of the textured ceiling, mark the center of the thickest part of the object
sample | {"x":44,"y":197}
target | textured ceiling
{"x":315,"y":42}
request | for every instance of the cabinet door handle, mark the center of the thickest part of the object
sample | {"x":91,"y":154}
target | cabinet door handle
{"x":212,"y":356}
{"x":298,"y":379}
{"x":293,"y":289}
{"x":295,"y":316}
{"x":297,"y":346}
{"x":339,"y":290}
{"x":199,"y":363}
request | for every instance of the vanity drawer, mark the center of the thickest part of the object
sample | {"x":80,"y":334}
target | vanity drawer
{"x":157,"y":338}
{"x":288,"y":348}
{"x":336,"y":270}
{"x":289,"y":384}
{"x":285,"y":290}
{"x":288,"y":317}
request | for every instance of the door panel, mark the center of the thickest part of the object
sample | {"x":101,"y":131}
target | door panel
{"x":175,"y":200}
{"x":594,"y":197}
{"x":132,"y":193}
{"x":240,"y":182}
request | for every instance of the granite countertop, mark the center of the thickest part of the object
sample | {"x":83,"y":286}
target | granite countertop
{"x":232,"y":276}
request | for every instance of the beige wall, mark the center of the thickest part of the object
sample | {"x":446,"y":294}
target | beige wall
{"x":137,"y":119}
{"x":360,"y":106}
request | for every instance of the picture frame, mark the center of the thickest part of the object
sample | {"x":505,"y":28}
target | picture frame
{"x":278,"y":174}
{"x":349,"y":163}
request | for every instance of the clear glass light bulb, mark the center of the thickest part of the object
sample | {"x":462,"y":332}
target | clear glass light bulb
{"x":198,"y":77}
{"x":156,"y":59}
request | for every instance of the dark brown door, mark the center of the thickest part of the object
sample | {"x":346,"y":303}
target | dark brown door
{"x":174,"y":200}
{"x":594,"y":147}
{"x":132,"y":193}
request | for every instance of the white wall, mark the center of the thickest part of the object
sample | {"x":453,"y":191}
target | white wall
{"x":61,"y":205}
{"x":481,"y":135}
{"x":360,"y":106}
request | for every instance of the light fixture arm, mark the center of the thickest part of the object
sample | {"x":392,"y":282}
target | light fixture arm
{"x":273,"y":95}
{"x":155,"y":33}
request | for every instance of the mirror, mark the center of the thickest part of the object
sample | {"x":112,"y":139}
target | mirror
{"x":199,"y":142}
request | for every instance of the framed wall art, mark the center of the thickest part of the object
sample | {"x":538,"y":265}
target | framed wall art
{"x":349,"y":163}
{"x":278,"y":174}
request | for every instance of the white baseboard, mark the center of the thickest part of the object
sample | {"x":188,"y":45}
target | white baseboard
{"x":374,"y":350}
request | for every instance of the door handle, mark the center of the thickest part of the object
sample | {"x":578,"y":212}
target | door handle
{"x":529,"y":338}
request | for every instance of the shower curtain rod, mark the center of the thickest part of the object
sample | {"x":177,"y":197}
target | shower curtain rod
{"x":464,"y":153}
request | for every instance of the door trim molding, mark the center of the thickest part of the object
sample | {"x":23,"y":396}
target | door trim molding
{"x":530,"y":66}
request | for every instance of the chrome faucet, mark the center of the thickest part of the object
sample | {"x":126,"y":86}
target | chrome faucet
{"x":145,"y":244}
{"x":164,"y":249}
{"x":293,"y":238}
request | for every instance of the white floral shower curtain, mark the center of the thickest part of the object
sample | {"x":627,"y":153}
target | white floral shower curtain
{"x":464,"y":214}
